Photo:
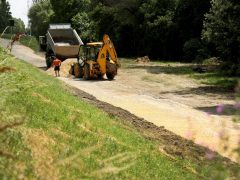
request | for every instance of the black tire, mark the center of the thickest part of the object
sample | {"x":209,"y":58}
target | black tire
{"x":111,"y":70}
{"x":49,"y":61}
{"x":110,"y":76}
{"x":48,"y":57}
{"x":87,"y":71}
{"x":100,"y":76}
{"x":77,"y":70}
{"x":81,"y":72}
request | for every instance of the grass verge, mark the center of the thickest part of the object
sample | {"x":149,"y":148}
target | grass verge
{"x":47,"y":133}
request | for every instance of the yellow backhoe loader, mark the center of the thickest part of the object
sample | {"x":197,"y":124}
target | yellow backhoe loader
{"x":95,"y":60}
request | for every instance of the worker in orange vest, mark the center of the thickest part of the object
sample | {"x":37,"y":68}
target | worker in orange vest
{"x":56,"y":63}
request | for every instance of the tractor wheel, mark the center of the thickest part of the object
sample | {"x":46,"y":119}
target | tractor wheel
{"x":78,"y":70}
{"x":100,"y":76}
{"x":111,"y":70}
{"x":87,"y":71}
{"x":110,"y":76}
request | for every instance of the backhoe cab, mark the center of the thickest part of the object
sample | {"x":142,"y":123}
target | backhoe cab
{"x":95,"y":60}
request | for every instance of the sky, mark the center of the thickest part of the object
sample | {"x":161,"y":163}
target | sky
{"x":19,"y":9}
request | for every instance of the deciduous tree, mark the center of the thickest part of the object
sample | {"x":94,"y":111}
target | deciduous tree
{"x":40,"y":14}
{"x":5,"y":14}
{"x":222,"y":28}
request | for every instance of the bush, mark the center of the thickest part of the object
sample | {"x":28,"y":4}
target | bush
{"x":191,"y":49}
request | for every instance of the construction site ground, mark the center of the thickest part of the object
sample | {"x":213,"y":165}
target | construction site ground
{"x":173,"y":103}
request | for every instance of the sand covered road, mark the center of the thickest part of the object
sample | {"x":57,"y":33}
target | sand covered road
{"x":166,"y":101}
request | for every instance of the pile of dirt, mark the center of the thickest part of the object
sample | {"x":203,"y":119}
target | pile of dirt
{"x":144,"y":59}
{"x":172,"y":144}
{"x":64,"y":69}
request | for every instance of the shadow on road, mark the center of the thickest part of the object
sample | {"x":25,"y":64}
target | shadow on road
{"x":157,"y":69}
{"x":44,"y":68}
{"x":222,"y":110}
{"x":225,"y":93}
{"x":92,"y":80}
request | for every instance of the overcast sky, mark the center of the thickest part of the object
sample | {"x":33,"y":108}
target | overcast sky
{"x":19,"y":9}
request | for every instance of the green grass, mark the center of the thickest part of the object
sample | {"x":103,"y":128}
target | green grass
{"x":31,"y":42}
{"x":64,"y":137}
{"x":217,"y":79}
{"x":212,"y":78}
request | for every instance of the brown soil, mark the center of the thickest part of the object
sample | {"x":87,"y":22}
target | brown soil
{"x":172,"y":144}
{"x":6,"y":69}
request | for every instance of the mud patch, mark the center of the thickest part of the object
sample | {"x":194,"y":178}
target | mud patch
{"x":5,"y":69}
{"x":39,"y":144}
{"x":171,"y":144}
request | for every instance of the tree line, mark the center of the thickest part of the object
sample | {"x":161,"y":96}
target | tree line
{"x":6,"y":15}
{"x":184,"y":30}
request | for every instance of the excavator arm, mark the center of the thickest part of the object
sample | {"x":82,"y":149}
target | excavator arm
{"x":107,"y":57}
{"x":109,"y":48}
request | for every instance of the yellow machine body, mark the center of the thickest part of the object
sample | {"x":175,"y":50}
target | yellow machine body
{"x":100,"y":58}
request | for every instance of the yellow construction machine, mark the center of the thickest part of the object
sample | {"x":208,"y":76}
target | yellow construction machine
{"x":95,"y":60}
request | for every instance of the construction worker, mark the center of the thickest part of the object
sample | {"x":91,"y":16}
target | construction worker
{"x":56,"y":63}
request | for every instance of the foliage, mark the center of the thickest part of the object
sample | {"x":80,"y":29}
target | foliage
{"x":222,"y":28}
{"x":148,"y":27}
{"x":5,"y":14}
{"x":84,"y":26}
{"x":65,"y":10}
{"x":166,"y":29}
{"x":40,"y":14}
{"x":191,"y":49}
{"x":31,"y":42}
{"x":36,"y":1}
{"x":158,"y":17}
{"x":18,"y":26}
{"x":188,"y":17}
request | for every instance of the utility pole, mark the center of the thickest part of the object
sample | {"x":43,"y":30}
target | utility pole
{"x":29,"y":24}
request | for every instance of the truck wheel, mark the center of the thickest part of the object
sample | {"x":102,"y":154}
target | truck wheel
{"x":87,"y":71}
{"x":48,"y":61}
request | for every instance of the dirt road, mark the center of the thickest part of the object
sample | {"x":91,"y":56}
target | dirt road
{"x":174,"y":101}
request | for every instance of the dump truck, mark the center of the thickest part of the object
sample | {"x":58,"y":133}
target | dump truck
{"x":96,"y":59}
{"x":63,"y":42}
